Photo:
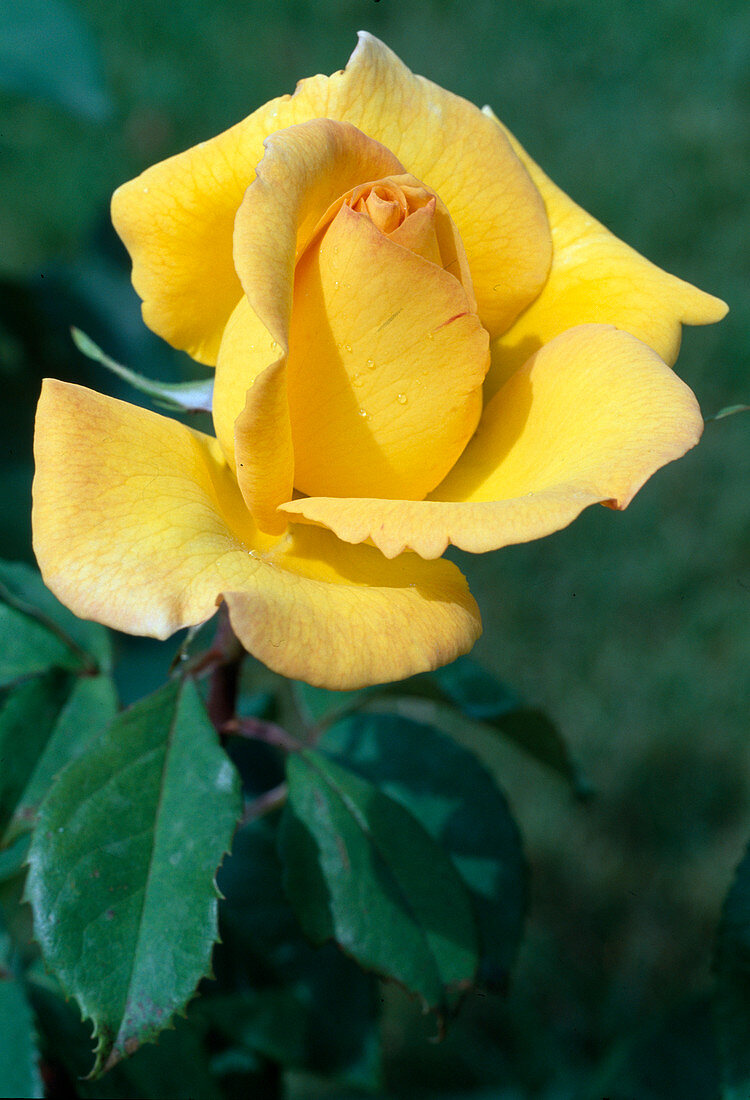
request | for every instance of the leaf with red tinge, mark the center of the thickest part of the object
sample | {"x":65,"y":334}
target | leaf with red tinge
{"x":122,"y":868}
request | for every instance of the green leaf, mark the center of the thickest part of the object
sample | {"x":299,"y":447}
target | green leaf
{"x":13,"y":859}
{"x":483,"y":698}
{"x":177,"y":396}
{"x":316,"y":704}
{"x":19,"y":1058}
{"x":729,"y":410}
{"x":175,"y":1067}
{"x":27,"y":717}
{"x":456,"y":800}
{"x":275,"y":994}
{"x":122,"y":864}
{"x":40,"y":750}
{"x":466,"y":687}
{"x":40,"y":632}
{"x":46,"y":50}
{"x":732,"y":999}
{"x":362,"y":870}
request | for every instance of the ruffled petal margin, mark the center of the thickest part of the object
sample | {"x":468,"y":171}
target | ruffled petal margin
{"x":588,"y":419}
{"x":138,"y":523}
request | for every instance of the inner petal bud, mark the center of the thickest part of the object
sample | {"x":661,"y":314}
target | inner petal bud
{"x":383,"y":210}
{"x":387,"y":355}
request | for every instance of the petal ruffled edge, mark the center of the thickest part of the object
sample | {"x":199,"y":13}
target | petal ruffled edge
{"x":393,"y":619}
{"x":588,"y":419}
{"x":138,"y":524}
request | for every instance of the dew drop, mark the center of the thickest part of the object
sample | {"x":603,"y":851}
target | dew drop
{"x":364,"y":414}
{"x":145,"y":190}
{"x":430,"y":335}
{"x":357,"y":380}
{"x":336,"y":285}
{"x":370,"y":364}
{"x":274,"y":345}
{"x":347,"y":347}
{"x":402,"y":398}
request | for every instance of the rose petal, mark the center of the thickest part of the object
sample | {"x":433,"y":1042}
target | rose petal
{"x":595,"y":277}
{"x":139,"y":524}
{"x":176,"y":218}
{"x":344,"y":621}
{"x":386,"y":361}
{"x":589,"y":418}
{"x":385,"y":369}
{"x":305,"y":168}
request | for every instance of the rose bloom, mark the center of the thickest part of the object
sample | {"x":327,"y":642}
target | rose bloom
{"x":419,"y":341}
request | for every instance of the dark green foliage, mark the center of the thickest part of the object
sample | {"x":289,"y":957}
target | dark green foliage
{"x":53,"y":703}
{"x":467,"y":689}
{"x":176,"y":1067}
{"x":121,"y":869}
{"x":39,"y":633}
{"x":19,"y":1057}
{"x":362,"y":870}
{"x":276,"y":994}
{"x":482,"y":697}
{"x":44,"y":724}
{"x":457,"y":802}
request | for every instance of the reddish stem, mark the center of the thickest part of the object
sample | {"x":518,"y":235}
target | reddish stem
{"x":226,"y":656}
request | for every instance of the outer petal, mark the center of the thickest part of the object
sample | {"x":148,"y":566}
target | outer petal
{"x":595,"y":277}
{"x":589,"y":418}
{"x":344,"y":621}
{"x":139,"y":524}
{"x":176,"y":219}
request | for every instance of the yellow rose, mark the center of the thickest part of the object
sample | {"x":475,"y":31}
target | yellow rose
{"x":418,"y":340}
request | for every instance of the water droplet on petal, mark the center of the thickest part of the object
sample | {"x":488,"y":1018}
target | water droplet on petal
{"x":336,"y":285}
{"x":364,"y":414}
{"x":370,"y":364}
{"x":357,"y":380}
{"x":402,"y":398}
{"x":347,"y":347}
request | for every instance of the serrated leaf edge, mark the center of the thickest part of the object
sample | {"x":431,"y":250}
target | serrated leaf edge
{"x":180,"y":1011}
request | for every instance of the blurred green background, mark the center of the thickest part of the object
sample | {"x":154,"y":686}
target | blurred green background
{"x":630,"y":629}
